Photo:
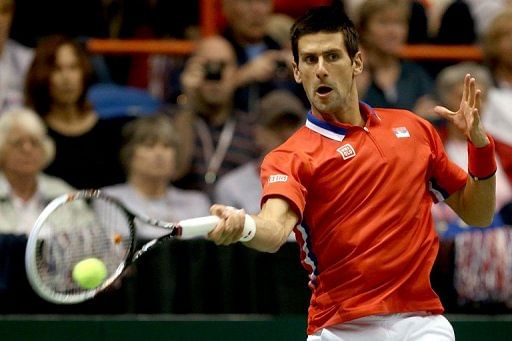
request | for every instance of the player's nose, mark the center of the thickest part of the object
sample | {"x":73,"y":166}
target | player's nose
{"x":321,"y":70}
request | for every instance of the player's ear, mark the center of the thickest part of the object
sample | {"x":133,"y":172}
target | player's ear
{"x":357,"y":63}
{"x":296,"y":72}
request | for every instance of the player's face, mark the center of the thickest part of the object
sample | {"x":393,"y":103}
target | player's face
{"x":153,"y":159}
{"x":66,"y":80}
{"x":326,"y":71}
{"x":23,"y":153}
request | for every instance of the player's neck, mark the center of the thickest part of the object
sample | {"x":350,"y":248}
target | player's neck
{"x":23,"y":186}
{"x":347,"y":114}
{"x":150,"y":188}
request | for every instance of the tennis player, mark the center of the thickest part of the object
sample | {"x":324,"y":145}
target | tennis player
{"x":361,"y":182}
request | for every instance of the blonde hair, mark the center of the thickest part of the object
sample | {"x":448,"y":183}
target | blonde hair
{"x":370,"y":8}
{"x":492,"y":37}
{"x":29,"y":121}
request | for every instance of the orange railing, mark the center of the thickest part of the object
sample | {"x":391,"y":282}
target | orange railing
{"x":185,"y":47}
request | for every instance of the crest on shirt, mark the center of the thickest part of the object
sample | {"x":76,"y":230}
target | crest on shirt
{"x":277,"y":178}
{"x":346,"y":151}
{"x":401,"y":132}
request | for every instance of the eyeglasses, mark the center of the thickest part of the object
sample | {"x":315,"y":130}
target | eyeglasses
{"x":21,"y":142}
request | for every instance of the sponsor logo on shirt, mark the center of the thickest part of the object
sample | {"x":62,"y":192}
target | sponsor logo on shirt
{"x":401,"y":132}
{"x":277,"y":178}
{"x":346,"y":151}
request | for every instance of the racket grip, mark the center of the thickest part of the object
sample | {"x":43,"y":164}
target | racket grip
{"x":198,"y":227}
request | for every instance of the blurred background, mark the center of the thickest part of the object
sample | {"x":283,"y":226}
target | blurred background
{"x":171,"y":106}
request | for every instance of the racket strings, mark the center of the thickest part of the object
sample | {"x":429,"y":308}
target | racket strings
{"x":81,"y":229}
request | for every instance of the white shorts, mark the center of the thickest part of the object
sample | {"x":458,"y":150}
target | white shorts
{"x":394,"y":327}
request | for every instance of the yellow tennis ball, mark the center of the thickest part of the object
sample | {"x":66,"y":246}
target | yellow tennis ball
{"x":89,"y":273}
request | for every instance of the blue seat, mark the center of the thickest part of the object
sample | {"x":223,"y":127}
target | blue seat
{"x":112,"y":100}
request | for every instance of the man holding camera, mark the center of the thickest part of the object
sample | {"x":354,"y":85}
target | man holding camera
{"x":215,"y":138}
{"x":264,"y":65}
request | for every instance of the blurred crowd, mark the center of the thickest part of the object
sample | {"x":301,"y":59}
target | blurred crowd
{"x":170,"y":135}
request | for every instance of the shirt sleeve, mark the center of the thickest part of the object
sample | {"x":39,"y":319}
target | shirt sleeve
{"x":285,"y":174}
{"x":445,"y":176}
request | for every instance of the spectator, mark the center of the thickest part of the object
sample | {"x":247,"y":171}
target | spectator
{"x":389,"y":81}
{"x":149,"y":158}
{"x":14,"y":60}
{"x":476,"y":276}
{"x":263,"y":64}
{"x":87,"y":146}
{"x":497,"y":46}
{"x":484,"y":12}
{"x":215,"y":137}
{"x":25,"y":150}
{"x":281,"y":113}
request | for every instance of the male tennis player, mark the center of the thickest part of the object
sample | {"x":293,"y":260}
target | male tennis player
{"x":361,"y":182}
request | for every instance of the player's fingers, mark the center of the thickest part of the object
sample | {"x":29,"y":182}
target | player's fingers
{"x":234,"y":227}
{"x":443,"y":112}
{"x":465,"y":91}
{"x":478,"y":99}
{"x":472,"y":92}
{"x":217,"y":210}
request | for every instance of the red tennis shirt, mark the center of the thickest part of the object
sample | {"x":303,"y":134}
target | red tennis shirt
{"x":363,"y":196}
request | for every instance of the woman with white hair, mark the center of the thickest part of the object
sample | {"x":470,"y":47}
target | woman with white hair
{"x":25,"y":150}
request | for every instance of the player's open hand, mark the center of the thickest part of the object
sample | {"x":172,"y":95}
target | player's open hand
{"x":231,"y":226}
{"x":467,"y":118}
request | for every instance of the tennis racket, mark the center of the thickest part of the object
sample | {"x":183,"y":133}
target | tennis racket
{"x":90,"y":224}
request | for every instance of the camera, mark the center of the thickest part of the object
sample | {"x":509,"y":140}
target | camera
{"x":213,"y":70}
{"x":281,"y":70}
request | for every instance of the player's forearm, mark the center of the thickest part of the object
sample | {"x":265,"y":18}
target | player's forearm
{"x":475,"y":204}
{"x":271,"y":234}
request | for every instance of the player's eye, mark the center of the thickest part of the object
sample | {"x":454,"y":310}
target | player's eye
{"x":332,"y":57}
{"x":309,"y":59}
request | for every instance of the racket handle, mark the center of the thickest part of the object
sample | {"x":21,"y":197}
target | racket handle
{"x":198,"y":227}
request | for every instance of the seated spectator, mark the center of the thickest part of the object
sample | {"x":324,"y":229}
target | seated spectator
{"x":484,"y":12}
{"x":497,"y":46}
{"x":15,"y":60}
{"x":481,"y":276}
{"x":389,"y":81}
{"x":263,"y":63}
{"x":25,"y":150}
{"x":215,"y":137}
{"x":281,"y":113}
{"x":149,"y":158}
{"x":87,"y":146}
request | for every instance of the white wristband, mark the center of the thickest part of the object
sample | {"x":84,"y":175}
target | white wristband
{"x":249,"y":229}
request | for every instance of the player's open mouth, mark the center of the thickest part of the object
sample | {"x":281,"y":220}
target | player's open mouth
{"x":323,"y":90}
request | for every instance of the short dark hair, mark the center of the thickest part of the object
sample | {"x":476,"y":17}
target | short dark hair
{"x":154,"y":128}
{"x":329,"y":19}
